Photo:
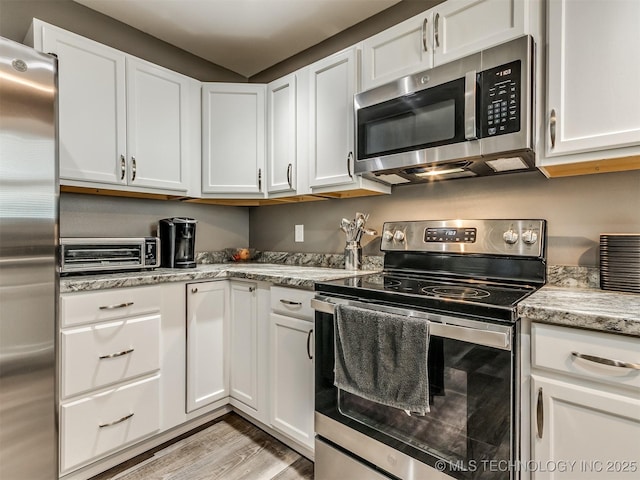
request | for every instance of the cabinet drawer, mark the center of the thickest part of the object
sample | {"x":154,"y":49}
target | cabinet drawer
{"x":99,"y":424}
{"x":553,"y":347}
{"x":97,"y":355}
{"x":292,"y":302}
{"x":78,"y":308}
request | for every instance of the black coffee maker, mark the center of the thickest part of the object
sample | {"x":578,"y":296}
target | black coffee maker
{"x":177,"y":242}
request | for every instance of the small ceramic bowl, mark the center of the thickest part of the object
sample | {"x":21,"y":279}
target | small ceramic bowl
{"x":240,"y":254}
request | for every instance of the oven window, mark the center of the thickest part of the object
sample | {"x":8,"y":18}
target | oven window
{"x":424,"y":119}
{"x":470,"y":419}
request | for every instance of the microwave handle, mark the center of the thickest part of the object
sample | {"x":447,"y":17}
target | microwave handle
{"x":470,"y":92}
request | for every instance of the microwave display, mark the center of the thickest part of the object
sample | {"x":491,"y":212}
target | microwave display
{"x":500,"y":100}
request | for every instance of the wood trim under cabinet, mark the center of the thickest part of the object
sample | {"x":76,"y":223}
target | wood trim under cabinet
{"x":117,"y":193}
{"x":621,"y":164}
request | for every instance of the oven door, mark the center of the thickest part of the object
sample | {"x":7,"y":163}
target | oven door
{"x":470,"y":431}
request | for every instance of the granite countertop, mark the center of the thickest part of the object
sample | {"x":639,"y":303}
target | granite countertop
{"x":594,"y":309}
{"x":277,"y":274}
{"x":589,"y":308}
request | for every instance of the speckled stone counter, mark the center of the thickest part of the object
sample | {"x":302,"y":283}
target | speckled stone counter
{"x":277,"y":274}
{"x":606,"y":311}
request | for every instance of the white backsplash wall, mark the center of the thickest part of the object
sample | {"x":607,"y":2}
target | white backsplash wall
{"x":577,"y":209}
{"x":99,"y":216}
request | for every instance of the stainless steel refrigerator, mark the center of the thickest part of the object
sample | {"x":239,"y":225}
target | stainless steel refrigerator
{"x":29,"y":196}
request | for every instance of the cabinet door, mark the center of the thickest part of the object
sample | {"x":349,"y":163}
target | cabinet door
{"x":292,"y":401}
{"x":462,"y":27}
{"x":157,"y":121}
{"x":92,"y":110}
{"x":207,"y":377}
{"x":281,"y":100}
{"x":233,"y":136}
{"x":332,"y":83}
{"x":596,"y":429}
{"x":244,"y":344}
{"x":401,"y":50}
{"x":593,"y":76}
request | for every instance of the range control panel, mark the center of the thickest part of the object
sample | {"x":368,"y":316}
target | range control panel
{"x":453,"y":235}
{"x":493,"y":237}
{"x":500,"y":100}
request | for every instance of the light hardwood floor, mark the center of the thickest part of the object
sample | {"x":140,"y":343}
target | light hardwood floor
{"x":229,"y":448}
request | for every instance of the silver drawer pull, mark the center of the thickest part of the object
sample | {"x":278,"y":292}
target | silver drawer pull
{"x":118,"y":354}
{"x":113,"y":307}
{"x":115,"y":422}
{"x":606,"y":361}
{"x":289,"y":302}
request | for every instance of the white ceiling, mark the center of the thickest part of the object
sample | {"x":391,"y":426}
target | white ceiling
{"x":245,"y":36}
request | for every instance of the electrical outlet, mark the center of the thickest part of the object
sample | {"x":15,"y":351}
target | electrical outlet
{"x":299,"y":233}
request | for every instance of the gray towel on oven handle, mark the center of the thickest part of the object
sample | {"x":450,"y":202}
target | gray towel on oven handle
{"x":382,"y":357}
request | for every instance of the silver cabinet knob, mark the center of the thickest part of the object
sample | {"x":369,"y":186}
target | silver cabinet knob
{"x":387,"y":235}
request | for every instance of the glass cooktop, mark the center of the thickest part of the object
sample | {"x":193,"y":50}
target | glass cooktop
{"x":434,"y":291}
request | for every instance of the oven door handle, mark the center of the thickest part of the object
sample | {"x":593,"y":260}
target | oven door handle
{"x":487,"y":338}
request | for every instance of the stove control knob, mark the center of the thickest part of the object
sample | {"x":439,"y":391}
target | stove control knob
{"x":510,"y":236}
{"x":398,"y":236}
{"x":387,"y":235}
{"x":529,"y":237}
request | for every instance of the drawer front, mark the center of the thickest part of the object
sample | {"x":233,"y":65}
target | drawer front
{"x":102,"y":423}
{"x":98,"y":355}
{"x":292,"y":302}
{"x":553,"y":347}
{"x":79,"y":308}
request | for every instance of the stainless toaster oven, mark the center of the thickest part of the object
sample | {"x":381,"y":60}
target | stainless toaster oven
{"x":86,"y":255}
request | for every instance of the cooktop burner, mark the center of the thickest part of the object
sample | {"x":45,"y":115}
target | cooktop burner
{"x":456,"y":292}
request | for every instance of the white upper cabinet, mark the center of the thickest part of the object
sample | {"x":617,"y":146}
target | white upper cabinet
{"x":92,"y":106}
{"x":451,"y":30}
{"x":233,"y":138}
{"x":593,"y":99}
{"x":281,"y":122}
{"x":398,"y":51}
{"x":462,"y":27}
{"x":332,"y":83}
{"x":156,"y":123}
{"x":122,"y":121}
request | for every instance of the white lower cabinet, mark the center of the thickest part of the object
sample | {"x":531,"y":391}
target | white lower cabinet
{"x":585,"y":418}
{"x":207,"y":340}
{"x":109,"y":372}
{"x":105,"y":421}
{"x":292,"y":397}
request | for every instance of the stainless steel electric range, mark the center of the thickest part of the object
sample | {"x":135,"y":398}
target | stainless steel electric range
{"x":440,"y":325}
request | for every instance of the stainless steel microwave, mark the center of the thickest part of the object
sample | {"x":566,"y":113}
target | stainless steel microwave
{"x":471,"y":117}
{"x":86,"y":255}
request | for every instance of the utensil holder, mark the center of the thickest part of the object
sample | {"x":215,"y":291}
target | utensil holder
{"x":353,"y":256}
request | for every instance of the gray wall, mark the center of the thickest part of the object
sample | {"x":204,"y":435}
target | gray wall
{"x":577,"y":209}
{"x":383,"y":20}
{"x":95,"y":216}
{"x":16,"y":16}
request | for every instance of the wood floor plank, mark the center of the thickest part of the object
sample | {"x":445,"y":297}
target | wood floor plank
{"x":229,"y":449}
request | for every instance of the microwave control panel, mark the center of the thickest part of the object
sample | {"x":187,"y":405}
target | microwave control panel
{"x":500,"y":100}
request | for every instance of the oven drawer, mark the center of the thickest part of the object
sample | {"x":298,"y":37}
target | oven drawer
{"x":331,"y":463}
{"x":583,"y":354}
